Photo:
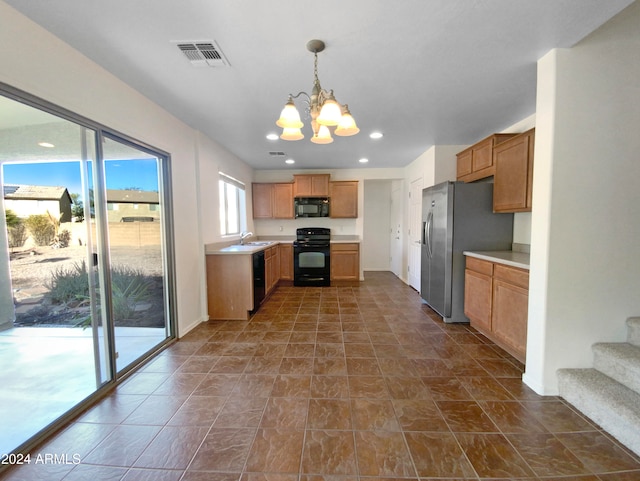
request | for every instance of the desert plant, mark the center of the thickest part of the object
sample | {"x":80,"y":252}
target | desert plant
{"x":69,"y":283}
{"x":41,"y":229}
{"x":17,"y":235}
{"x":63,"y":238}
{"x":129,"y":286}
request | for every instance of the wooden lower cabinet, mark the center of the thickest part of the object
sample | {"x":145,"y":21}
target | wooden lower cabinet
{"x":271,"y":268}
{"x":496,"y":302}
{"x":478,"y":293}
{"x":229,"y":286}
{"x":345,"y":262}
{"x":230,"y":280}
{"x":286,"y":262}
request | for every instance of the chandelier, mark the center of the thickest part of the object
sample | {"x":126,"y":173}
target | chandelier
{"x":321,"y":106}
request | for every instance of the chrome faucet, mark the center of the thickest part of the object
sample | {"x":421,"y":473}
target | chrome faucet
{"x":243,"y":236}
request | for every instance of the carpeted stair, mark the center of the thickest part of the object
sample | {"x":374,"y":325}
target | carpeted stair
{"x":609,"y":393}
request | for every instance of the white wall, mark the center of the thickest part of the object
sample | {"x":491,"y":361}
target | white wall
{"x":585,"y":252}
{"x":376,"y":246}
{"x":35,"y":61}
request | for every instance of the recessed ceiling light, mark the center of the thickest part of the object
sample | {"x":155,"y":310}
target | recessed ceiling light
{"x":363,"y":161}
{"x":46,"y":144}
{"x":289,"y":161}
{"x":272,"y":136}
{"x":375,"y":135}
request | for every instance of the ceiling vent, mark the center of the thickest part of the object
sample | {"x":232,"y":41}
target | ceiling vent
{"x":205,"y":53}
{"x":276,"y":154}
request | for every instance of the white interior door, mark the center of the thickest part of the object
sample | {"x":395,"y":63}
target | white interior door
{"x":415,"y":219}
{"x":395,"y":229}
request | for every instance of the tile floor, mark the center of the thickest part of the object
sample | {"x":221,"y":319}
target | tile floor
{"x":331,"y":383}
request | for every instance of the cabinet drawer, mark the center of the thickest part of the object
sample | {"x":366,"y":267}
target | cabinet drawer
{"x":479,"y":265}
{"x":344,"y":247}
{"x":512,"y":275}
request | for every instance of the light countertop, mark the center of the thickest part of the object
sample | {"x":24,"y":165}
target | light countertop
{"x":262,"y":244}
{"x":510,"y":258}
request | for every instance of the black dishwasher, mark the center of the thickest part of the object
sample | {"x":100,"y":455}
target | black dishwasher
{"x":259,"y":284}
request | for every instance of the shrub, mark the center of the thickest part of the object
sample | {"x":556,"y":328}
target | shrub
{"x":64,"y":237}
{"x":129,"y":287}
{"x":17,"y":235}
{"x":41,"y":229}
{"x":69,"y":284}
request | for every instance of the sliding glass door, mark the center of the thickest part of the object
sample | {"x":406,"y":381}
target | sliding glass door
{"x":135,"y":222}
{"x":84,"y":254}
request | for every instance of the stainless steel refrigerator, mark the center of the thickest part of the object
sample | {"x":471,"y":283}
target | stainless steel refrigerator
{"x":457,"y":217}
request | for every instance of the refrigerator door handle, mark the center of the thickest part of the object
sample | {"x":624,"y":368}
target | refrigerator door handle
{"x":424,"y":233}
{"x":428,"y":232}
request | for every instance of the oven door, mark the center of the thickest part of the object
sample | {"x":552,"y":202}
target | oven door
{"x":311,"y":265}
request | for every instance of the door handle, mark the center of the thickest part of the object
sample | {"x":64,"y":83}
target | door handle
{"x":428,"y":231}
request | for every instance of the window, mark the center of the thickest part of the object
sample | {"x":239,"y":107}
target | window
{"x":233,"y":210}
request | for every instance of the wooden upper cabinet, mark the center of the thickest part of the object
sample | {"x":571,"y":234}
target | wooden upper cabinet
{"x":283,"y":201}
{"x":476,"y":162}
{"x":311,"y":185}
{"x":343,"y":199}
{"x":262,"y":195}
{"x":513,"y":180}
{"x":272,"y":201}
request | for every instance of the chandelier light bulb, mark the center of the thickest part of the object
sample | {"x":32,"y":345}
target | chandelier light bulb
{"x":289,"y":133}
{"x":347,"y":125}
{"x":330,"y":113}
{"x":323,"y":136}
{"x":289,"y":117}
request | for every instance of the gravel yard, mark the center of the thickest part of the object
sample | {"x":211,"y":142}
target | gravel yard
{"x":32,"y":270}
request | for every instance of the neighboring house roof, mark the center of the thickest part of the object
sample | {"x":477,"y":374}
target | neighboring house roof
{"x":132,"y":196}
{"x":35,"y":192}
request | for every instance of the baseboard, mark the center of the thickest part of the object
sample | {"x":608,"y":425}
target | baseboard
{"x":185,"y":330}
{"x":537,"y":387}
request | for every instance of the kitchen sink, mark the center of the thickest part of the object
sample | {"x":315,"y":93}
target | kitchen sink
{"x":256,"y":243}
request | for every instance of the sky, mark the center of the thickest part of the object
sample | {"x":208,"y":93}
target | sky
{"x":119,"y":174}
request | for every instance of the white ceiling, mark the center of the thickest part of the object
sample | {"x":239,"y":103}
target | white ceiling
{"x":423,"y":72}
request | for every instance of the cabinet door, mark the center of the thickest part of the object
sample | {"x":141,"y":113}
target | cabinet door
{"x":463,"y":166}
{"x":262,"y":201}
{"x":482,"y":155}
{"x":301,"y":185}
{"x":269,"y":268}
{"x":477,"y":299}
{"x":345,"y":262}
{"x":509,"y":317}
{"x":286,"y":261}
{"x":311,"y":185}
{"x":344,"y":199}
{"x":320,"y":185}
{"x":283,"y":201}
{"x":514,"y":174}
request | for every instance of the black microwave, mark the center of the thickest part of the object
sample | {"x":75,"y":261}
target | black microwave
{"x":312,"y":207}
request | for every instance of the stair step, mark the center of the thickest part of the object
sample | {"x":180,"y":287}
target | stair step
{"x":633,"y":331}
{"x":613,"y":406}
{"x":620,"y":361}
